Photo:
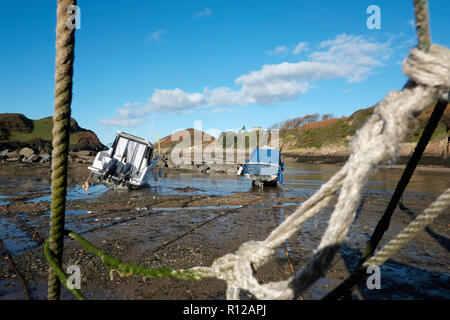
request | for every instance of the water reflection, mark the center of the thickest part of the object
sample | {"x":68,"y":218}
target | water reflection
{"x":301,"y":181}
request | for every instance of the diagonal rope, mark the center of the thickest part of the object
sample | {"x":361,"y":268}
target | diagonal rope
{"x":347,"y":286}
{"x":377,"y":141}
{"x":198,"y":273}
{"x":65,"y":42}
{"x":424,"y":219}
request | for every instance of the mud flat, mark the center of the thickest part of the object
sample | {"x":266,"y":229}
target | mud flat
{"x":188,"y":219}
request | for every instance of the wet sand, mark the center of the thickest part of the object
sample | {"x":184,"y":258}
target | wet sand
{"x":189,"y":219}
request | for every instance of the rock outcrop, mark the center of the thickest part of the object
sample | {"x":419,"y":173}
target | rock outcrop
{"x":18,"y":132}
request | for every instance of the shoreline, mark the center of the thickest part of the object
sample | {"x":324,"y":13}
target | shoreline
{"x":425,"y":161}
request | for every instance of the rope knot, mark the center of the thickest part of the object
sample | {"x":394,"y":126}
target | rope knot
{"x":254,"y":252}
{"x":251,"y":253}
{"x":236,"y":268}
{"x":430,"y":68}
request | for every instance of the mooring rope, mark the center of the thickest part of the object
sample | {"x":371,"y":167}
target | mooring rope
{"x":65,"y":42}
{"x":377,"y":141}
{"x":221,"y":267}
{"x":424,"y":219}
{"x":345,"y":288}
{"x":424,"y":37}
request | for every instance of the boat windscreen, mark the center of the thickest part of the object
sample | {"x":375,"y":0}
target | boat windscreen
{"x":120,"y":148}
{"x":138,"y":155}
{"x":265,"y":156}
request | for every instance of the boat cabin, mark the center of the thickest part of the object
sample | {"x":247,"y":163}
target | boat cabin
{"x":264,"y":165}
{"x":128,"y":162}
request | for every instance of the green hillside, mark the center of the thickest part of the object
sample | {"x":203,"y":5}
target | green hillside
{"x":19,"y":131}
{"x":338,"y":131}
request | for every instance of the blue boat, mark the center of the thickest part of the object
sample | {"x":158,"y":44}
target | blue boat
{"x":263,"y":166}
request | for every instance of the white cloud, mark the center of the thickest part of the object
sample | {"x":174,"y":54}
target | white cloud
{"x":131,"y":115}
{"x":354,"y":55}
{"x":278,"y":51}
{"x":156,"y":35}
{"x":301,"y":47}
{"x":219,"y":110}
{"x":206,"y":12}
{"x":121,"y":122}
{"x":347,"y":57}
{"x":175,"y":100}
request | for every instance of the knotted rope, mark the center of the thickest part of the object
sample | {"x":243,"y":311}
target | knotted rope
{"x":65,"y":42}
{"x":377,"y":141}
{"x":237,"y":269}
{"x":424,"y":219}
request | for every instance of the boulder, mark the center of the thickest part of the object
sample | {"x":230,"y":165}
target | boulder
{"x":186,"y":166}
{"x":203,"y":168}
{"x":232,"y":170}
{"x":86,"y":153}
{"x":26,"y":152}
{"x":4,"y":155}
{"x":220,"y":167}
{"x":12,"y":154}
{"x":34,"y":158}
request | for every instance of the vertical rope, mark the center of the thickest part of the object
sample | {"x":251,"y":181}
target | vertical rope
{"x":65,"y":42}
{"x":422,"y":24}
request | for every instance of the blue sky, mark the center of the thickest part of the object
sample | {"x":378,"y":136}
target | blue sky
{"x":226,"y":63}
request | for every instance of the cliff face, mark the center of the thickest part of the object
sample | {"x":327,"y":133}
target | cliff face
{"x":17,"y":131}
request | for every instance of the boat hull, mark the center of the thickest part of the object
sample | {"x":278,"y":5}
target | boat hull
{"x":267,"y":174}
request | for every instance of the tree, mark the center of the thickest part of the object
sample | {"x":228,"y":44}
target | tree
{"x":328,"y":116}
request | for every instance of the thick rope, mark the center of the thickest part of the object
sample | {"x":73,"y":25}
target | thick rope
{"x":65,"y":42}
{"x":52,"y":261}
{"x":393,"y":246}
{"x":422,"y":25}
{"x":424,"y":37}
{"x":383,"y":224}
{"x":219,"y":267}
{"x":346,"y":287}
{"x":127,"y":269}
{"x":377,"y":141}
{"x":424,"y":219}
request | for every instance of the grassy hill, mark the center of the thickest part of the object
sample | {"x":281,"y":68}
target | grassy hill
{"x":170,"y":141}
{"x":18,"y":131}
{"x":338,"y":132}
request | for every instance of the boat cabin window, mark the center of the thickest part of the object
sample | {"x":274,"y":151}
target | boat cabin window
{"x":120,"y":149}
{"x":139,"y":151}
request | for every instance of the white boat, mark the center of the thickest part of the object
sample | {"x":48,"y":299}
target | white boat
{"x":127,"y":163}
{"x":264,"y":166}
